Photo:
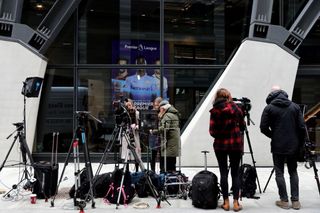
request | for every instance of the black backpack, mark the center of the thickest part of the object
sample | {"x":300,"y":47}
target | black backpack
{"x":205,"y":191}
{"x":84,"y":187}
{"x":247,"y":179}
{"x":127,"y":191}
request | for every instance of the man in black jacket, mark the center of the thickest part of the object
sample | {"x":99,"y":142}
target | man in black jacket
{"x":282,"y":121}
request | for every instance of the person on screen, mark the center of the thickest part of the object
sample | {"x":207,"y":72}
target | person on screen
{"x":140,"y":87}
{"x":118,"y":82}
{"x":157,"y":77}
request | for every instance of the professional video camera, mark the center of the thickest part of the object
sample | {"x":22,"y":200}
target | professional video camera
{"x":245,"y":105}
{"x":122,"y":116}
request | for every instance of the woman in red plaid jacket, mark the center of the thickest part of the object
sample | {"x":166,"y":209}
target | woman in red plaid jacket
{"x":226,"y":126}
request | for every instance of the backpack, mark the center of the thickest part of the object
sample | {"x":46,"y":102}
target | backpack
{"x":142,"y":187}
{"x":101,"y":184}
{"x":84,"y":187}
{"x":127,"y":192}
{"x":247,"y":179}
{"x":205,"y":191}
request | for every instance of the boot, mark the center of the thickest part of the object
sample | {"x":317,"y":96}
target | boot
{"x":236,"y":206}
{"x":226,"y":204}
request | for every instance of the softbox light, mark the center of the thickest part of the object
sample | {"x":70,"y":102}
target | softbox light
{"x":32,"y":86}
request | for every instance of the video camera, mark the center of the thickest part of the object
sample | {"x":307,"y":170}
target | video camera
{"x":122,"y":117}
{"x":245,"y":105}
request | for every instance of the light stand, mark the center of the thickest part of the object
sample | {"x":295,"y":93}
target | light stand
{"x":31,"y":88}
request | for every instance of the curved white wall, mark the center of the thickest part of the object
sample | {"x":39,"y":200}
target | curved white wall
{"x":16,"y":64}
{"x":255,"y":67}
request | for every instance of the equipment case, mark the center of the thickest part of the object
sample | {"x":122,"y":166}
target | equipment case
{"x":46,"y":173}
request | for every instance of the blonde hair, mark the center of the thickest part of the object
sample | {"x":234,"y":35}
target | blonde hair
{"x":223,"y":93}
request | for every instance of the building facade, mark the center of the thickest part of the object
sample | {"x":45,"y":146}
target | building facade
{"x":190,"y":43}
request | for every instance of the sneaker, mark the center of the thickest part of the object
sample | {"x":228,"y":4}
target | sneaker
{"x":296,"y":205}
{"x":282,"y":204}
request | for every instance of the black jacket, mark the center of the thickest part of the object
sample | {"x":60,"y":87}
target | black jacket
{"x":282,"y":121}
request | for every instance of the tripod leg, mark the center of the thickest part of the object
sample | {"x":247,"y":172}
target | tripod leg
{"x":251,"y":152}
{"x":138,"y":160}
{"x":5,"y":159}
{"x":272,"y":171}
{"x":122,"y":179}
{"x":63,"y":170}
{"x":316,"y":174}
{"x":88,"y":167}
{"x":108,"y":148}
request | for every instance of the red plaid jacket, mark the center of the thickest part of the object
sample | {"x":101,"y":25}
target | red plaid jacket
{"x":226,"y":126}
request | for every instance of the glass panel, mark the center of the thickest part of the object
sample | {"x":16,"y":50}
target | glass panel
{"x":203,"y":32}
{"x":307,"y":91}
{"x":94,"y":96}
{"x":187,"y":87}
{"x":56,"y":110}
{"x":309,"y":51}
{"x":61,"y":50}
{"x":113,"y":29}
{"x":34,"y":11}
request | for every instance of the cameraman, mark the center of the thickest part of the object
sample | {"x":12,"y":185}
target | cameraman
{"x":226,"y":126}
{"x":134,"y":118}
{"x":282,"y":121}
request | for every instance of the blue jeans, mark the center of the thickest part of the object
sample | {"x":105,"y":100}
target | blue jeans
{"x":278,"y":162}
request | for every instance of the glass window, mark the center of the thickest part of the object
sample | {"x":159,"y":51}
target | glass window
{"x":203,"y":32}
{"x":186,"y":88}
{"x":56,"y":110}
{"x":113,"y":29}
{"x":34,"y":11}
{"x":94,"y":96}
{"x":61,"y":50}
{"x":309,"y":51}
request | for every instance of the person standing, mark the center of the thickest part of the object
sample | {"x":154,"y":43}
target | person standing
{"x":169,"y":132}
{"x":226,"y":127}
{"x":154,"y":140}
{"x":134,"y":127}
{"x":282,"y":121}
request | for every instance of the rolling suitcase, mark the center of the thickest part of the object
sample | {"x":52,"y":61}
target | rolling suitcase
{"x":46,"y":173}
{"x":205,"y":190}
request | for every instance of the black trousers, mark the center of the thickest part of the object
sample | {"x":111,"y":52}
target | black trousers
{"x":222,"y":158}
{"x":153,"y":161}
{"x":171,"y":164}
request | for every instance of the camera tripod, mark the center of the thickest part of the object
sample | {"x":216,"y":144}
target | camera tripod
{"x":25,"y":152}
{"x":249,"y":145}
{"x":79,"y":136}
{"x":122,"y":132}
{"x":310,"y":158}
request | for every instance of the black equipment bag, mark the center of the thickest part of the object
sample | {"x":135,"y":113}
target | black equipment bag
{"x":101,"y":184}
{"x":142,"y":187}
{"x":46,"y":173}
{"x":247,"y":178}
{"x":84,"y":187}
{"x":205,"y":191}
{"x":127,"y":191}
{"x":46,"y":179}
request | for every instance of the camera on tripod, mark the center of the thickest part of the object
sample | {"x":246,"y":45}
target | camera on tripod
{"x":122,"y":117}
{"x":244,"y":104}
{"x":310,"y":151}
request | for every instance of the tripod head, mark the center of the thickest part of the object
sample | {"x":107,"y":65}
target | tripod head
{"x":19,"y":126}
